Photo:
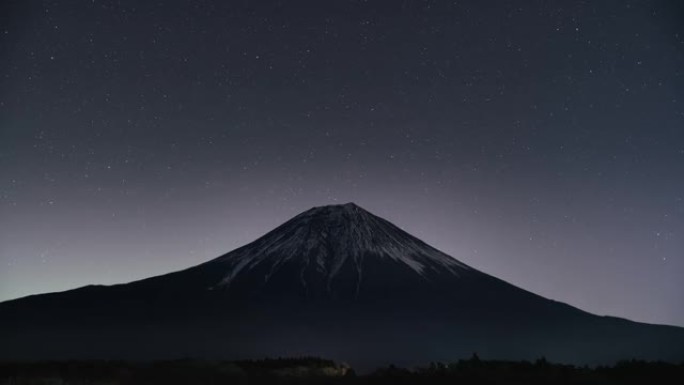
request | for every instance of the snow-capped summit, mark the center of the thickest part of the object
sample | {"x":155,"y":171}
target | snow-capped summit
{"x":334,"y":281}
{"x":323,"y":241}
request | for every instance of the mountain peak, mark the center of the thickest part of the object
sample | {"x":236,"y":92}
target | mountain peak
{"x":335,"y":216}
{"x":334,"y":237}
{"x":346,"y":206}
{"x":334,"y":281}
{"x":349,"y":207}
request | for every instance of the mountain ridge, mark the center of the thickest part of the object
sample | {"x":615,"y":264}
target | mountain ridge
{"x":334,"y":281}
{"x":357,"y":234}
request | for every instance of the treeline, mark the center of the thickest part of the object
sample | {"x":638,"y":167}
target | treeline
{"x":177,"y":372}
{"x":313,"y":370}
{"x":476,"y":371}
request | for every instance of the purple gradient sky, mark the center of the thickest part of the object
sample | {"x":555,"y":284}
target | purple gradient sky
{"x":541,"y":143}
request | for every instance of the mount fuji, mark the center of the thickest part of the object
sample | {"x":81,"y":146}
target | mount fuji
{"x":334,"y":281}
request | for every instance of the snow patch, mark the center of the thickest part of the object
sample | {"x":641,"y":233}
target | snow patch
{"x":327,"y":237}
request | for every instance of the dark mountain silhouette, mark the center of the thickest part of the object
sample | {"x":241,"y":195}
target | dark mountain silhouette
{"x":334,"y":281}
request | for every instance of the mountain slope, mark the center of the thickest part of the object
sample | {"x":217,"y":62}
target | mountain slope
{"x":334,"y":281}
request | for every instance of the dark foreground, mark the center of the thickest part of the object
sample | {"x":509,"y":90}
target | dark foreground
{"x":319,"y":371}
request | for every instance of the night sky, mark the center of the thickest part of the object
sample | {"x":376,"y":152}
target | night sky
{"x":539,"y":141}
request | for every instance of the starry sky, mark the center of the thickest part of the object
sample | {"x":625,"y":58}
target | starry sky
{"x":539,"y":141}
